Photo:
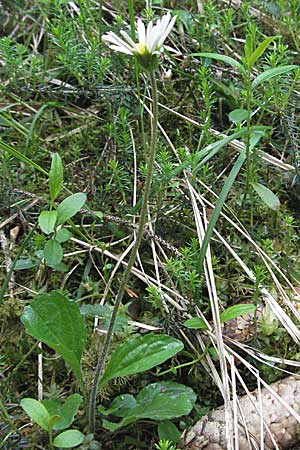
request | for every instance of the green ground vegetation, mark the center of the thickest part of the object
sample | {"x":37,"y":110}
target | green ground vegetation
{"x":74,"y":120}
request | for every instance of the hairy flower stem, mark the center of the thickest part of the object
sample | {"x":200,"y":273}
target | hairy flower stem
{"x":249,"y":166}
{"x":150,"y":164}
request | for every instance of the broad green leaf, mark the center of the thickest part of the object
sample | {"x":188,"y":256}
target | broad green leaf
{"x":66,"y":410}
{"x":157,"y":401}
{"x":258,"y":52}
{"x":47,"y":220}
{"x":271,"y":73}
{"x":53,"y":252}
{"x":164,"y":400}
{"x":238,"y":115}
{"x":56,"y":176}
{"x":25,"y":263}
{"x":196,"y":322}
{"x":140,"y":353}
{"x":56,"y":321}
{"x":226,"y":59}
{"x":37,"y":412}
{"x":61,"y":267}
{"x":167,"y":430}
{"x":119,"y":406}
{"x":235,"y":311}
{"x":70,"y":206}
{"x":267,"y":196}
{"x":68,"y":439}
{"x":63,"y":235}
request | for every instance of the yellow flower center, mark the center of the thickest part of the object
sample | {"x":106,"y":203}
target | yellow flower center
{"x":141,"y":48}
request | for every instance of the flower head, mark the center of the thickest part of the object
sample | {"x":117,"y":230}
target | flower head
{"x":150,"y":41}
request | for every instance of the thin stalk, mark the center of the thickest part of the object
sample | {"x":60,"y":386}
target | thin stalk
{"x":147,"y":189}
{"x":137,"y":70}
{"x":50,"y":440}
{"x":247,"y":143}
{"x":7,"y":417}
{"x":248,"y":125}
{"x":13,"y":264}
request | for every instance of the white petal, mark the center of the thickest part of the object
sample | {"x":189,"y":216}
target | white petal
{"x":148,"y":34}
{"x":163,"y":23}
{"x":166,"y":32}
{"x":172,"y":50}
{"x":121,"y":49}
{"x":141,"y":32}
{"x":114,"y":39}
{"x":127,"y":38}
{"x":153,"y":38}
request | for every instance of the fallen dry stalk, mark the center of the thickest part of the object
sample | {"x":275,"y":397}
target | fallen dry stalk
{"x":209,"y":432}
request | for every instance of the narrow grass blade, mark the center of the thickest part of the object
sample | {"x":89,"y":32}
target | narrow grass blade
{"x":12,"y":151}
{"x":221,"y":200}
{"x":226,"y":59}
{"x":271,"y":73}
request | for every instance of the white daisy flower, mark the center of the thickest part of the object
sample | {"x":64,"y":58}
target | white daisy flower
{"x":150,"y":41}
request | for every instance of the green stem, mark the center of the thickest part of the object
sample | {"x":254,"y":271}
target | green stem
{"x":50,"y":440}
{"x":7,"y":417}
{"x":248,"y":136}
{"x":173,"y":369}
{"x":102,"y":357}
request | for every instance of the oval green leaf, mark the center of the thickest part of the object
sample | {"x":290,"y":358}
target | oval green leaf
{"x":56,"y":321}
{"x":70,"y":206}
{"x":68,"y":439}
{"x":196,"y":322}
{"x":238,"y":115}
{"x":37,"y":412}
{"x":25,"y":263}
{"x":47,"y":220}
{"x":63,"y":235}
{"x":157,"y":401}
{"x":119,"y":406}
{"x":267,"y":196}
{"x":235,"y":311}
{"x":53,"y":252}
{"x":66,"y":411}
{"x":140,"y":353}
{"x":164,"y":400}
{"x":168,"y":431}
